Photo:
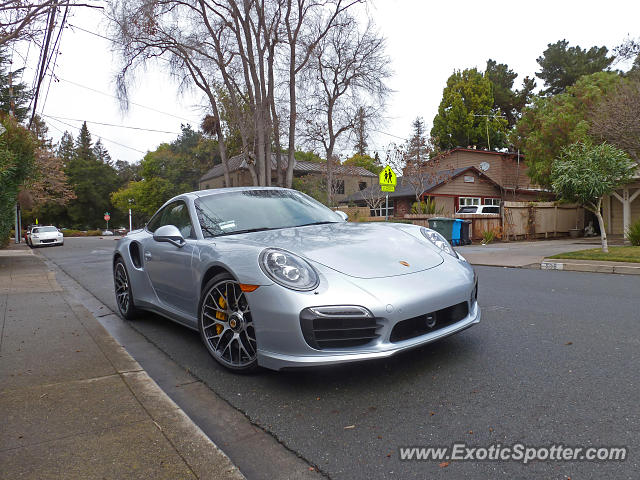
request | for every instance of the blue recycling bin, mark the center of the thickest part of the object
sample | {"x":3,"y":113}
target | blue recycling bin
{"x":460,"y":232}
{"x":455,"y":232}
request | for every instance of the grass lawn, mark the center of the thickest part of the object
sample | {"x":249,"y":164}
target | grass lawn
{"x":616,"y":254}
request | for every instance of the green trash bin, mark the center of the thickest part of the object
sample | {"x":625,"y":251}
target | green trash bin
{"x":443,"y":225}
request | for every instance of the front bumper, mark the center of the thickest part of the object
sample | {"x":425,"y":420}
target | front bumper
{"x":276,"y":312}
{"x":46,"y":241}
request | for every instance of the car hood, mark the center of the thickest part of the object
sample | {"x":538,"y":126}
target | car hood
{"x":362,"y":250}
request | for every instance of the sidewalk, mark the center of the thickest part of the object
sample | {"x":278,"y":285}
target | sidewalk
{"x":73,"y":403}
{"x":535,"y":255}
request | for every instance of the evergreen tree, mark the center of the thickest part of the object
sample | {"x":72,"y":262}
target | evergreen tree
{"x":92,"y":179}
{"x":360,"y":131}
{"x":417,"y":147}
{"x":101,"y":153}
{"x":14,"y":96}
{"x":506,"y":100}
{"x":66,"y":147}
{"x":561,"y":65}
{"x":466,"y":115}
{"x":83,"y":145}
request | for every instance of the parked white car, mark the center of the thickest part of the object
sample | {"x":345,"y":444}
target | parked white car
{"x":480,"y":209}
{"x":48,"y":235}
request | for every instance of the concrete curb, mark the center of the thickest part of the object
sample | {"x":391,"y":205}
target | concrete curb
{"x":623,"y":269}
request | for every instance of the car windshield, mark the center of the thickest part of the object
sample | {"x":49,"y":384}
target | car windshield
{"x":254,"y":210}
{"x":467,"y":210}
{"x":44,"y":229}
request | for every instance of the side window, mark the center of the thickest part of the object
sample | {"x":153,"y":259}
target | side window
{"x":175,"y":213}
{"x":155,"y":222}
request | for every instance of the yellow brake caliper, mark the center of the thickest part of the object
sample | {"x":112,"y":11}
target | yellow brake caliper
{"x":220,"y":315}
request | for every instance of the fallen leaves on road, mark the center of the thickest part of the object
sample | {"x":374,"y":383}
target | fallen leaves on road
{"x":349,"y":427}
{"x":569,"y":343}
{"x":443,"y":464}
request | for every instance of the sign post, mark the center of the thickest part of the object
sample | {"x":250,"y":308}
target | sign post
{"x":388,"y":182}
{"x":107,"y":217}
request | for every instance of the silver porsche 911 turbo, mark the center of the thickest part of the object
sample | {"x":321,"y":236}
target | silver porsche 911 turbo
{"x":271,"y":277}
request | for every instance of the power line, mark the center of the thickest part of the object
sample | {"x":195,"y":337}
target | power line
{"x":55,"y":117}
{"x":389,"y":134}
{"x":132,"y":103}
{"x":44,"y":60}
{"x":54,"y":55}
{"x":99,"y":136}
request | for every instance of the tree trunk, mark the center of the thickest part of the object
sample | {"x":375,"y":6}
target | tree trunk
{"x":603,"y":231}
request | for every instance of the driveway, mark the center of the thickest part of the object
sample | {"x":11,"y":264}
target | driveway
{"x":522,"y":254}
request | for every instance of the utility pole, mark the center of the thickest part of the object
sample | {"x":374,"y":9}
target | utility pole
{"x":12,"y":109}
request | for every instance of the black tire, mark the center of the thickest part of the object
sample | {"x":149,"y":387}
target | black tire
{"x":236,"y":324}
{"x":123,"y":291}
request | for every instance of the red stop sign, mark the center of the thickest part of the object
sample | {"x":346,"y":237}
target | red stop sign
{"x":107,"y":217}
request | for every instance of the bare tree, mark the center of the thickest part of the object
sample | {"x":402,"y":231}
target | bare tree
{"x":373,"y":196}
{"x":348,"y":70}
{"x":27,"y":19}
{"x":233,"y":49}
{"x":307,"y":23}
{"x":628,"y":49}
{"x":615,"y":118}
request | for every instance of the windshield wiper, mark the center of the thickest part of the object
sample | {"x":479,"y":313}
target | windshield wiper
{"x":315,"y":223}
{"x":248,"y":230}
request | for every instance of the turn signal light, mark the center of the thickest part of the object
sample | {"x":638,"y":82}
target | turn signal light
{"x":248,"y":288}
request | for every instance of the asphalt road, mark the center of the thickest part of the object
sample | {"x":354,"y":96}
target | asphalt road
{"x":555,"y":360}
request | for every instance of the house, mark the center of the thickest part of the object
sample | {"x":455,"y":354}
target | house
{"x":347,"y":179}
{"x":462,"y":176}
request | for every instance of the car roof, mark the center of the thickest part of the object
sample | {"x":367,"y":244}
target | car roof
{"x":215,"y":191}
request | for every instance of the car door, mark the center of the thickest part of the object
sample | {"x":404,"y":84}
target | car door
{"x":170,"y":267}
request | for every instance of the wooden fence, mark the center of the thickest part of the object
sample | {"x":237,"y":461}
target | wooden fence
{"x":540,"y":219}
{"x":517,"y":220}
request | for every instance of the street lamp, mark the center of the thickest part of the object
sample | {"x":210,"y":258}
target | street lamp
{"x":131,"y":201}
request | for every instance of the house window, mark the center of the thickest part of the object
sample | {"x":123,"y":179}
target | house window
{"x":492,"y":201}
{"x":381,"y":211}
{"x":468,"y":201}
{"x":224,"y":183}
{"x":338,"y":187}
{"x":231,"y":181}
{"x":362,"y":185}
{"x":469,"y":179}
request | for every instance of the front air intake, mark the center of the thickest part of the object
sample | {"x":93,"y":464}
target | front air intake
{"x":338,"y":327}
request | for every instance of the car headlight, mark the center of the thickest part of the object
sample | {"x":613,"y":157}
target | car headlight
{"x":439,"y":241}
{"x":288,"y":269}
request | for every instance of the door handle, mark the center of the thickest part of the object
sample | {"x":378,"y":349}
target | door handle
{"x":147,"y":256}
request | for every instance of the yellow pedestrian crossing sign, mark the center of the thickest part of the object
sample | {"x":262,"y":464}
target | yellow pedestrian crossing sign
{"x":388,"y":179}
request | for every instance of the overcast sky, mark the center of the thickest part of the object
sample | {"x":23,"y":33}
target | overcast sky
{"x":426,"y":41}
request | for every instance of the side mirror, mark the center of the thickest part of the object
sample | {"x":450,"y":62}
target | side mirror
{"x":170,"y":234}
{"x":342,"y":215}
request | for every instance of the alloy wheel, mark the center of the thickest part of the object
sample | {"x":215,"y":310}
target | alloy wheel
{"x":227,"y":325}
{"x":122,"y":288}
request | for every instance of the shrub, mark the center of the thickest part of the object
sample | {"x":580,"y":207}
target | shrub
{"x":633,"y":233}
{"x":426,"y":207}
{"x":81,"y":233}
{"x":488,"y":236}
